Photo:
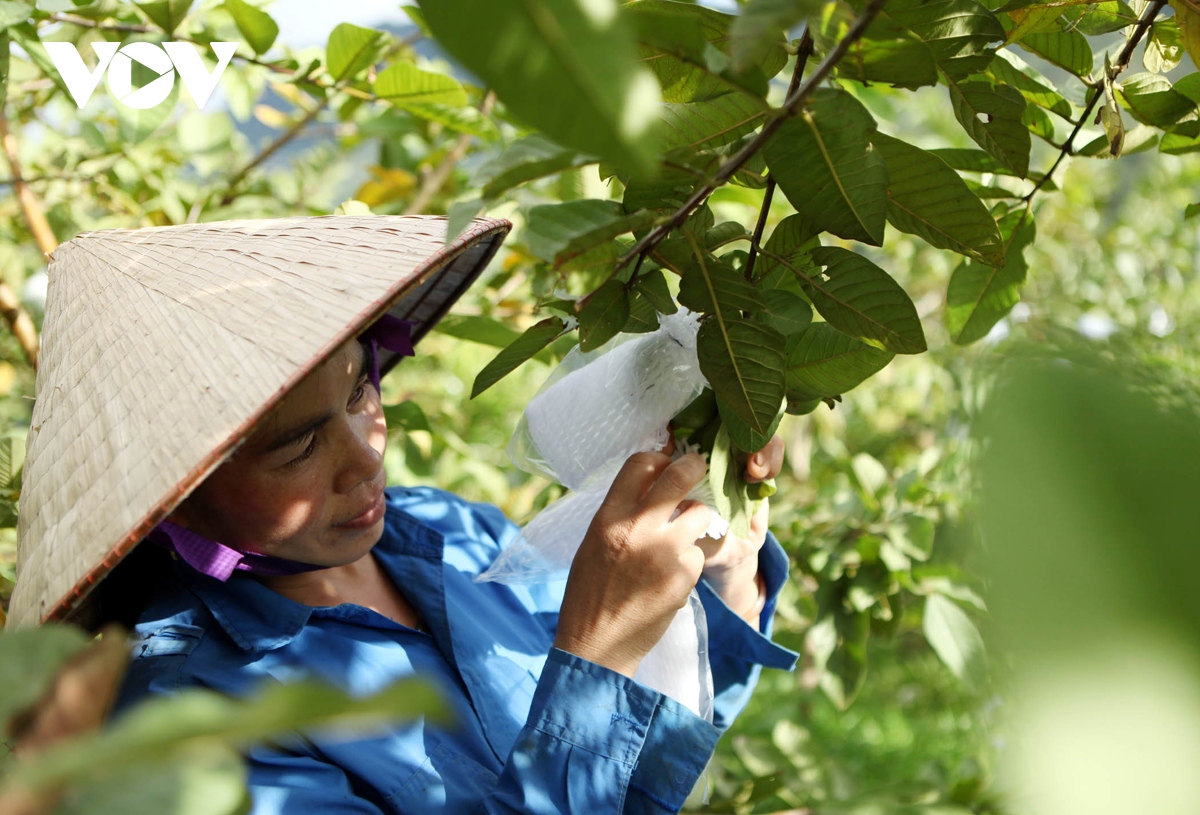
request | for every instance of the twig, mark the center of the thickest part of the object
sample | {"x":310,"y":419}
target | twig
{"x":31,"y":208}
{"x":270,"y":150}
{"x":790,"y":106}
{"x":803,"y":52}
{"x":5,"y":182}
{"x":436,"y":179}
{"x":19,"y":323}
{"x":1120,"y":65}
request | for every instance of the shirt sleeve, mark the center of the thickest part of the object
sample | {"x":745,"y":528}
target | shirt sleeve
{"x":598,"y":742}
{"x":737,"y":651}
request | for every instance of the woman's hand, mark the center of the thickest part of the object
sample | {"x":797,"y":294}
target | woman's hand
{"x":731,"y":563}
{"x":636,"y":566}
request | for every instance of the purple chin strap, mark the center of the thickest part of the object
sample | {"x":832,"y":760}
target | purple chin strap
{"x":220,"y":561}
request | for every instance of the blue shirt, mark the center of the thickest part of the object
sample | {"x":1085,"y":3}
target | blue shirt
{"x":539,"y":730}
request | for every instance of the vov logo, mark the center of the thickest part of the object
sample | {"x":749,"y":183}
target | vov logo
{"x":163,"y":60}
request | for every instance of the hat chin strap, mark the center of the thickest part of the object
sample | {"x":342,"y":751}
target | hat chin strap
{"x":218,"y":560}
{"x":391,"y":333}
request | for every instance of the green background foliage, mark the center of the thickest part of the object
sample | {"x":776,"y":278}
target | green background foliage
{"x":870,"y":204}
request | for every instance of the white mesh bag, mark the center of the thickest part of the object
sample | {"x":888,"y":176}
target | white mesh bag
{"x":593,"y":412}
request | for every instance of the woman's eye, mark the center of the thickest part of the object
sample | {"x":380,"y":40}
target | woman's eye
{"x":360,"y":391}
{"x":308,"y":451}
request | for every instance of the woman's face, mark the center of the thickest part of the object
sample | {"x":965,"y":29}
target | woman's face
{"x":308,"y":484}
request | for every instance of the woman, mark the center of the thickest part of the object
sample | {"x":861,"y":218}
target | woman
{"x":360,"y":586}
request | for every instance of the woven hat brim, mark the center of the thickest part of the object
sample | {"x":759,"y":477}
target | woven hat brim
{"x":422,"y":295}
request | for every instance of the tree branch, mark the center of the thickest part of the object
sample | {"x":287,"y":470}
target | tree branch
{"x":789,"y":108}
{"x":1120,"y":65}
{"x":10,"y":305}
{"x":436,"y":179}
{"x":803,"y":52}
{"x":270,"y":150}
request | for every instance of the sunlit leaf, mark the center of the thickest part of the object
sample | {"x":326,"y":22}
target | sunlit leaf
{"x":858,"y":298}
{"x":979,"y":296}
{"x":351,"y":49}
{"x":258,"y":28}
{"x":403,"y":82}
{"x":825,"y":165}
{"x":823,"y":362}
{"x":166,"y":14}
{"x":744,"y":363}
{"x":954,"y":637}
{"x":569,"y":68}
{"x":1152,"y":100}
{"x":991,"y":113}
{"x":1164,"y":46}
{"x":927,"y":198}
{"x":524,"y":160}
{"x":1069,"y":50}
{"x":535,"y":338}
{"x":1012,"y":70}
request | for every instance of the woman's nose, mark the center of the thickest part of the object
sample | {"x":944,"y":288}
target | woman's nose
{"x":362,"y":449}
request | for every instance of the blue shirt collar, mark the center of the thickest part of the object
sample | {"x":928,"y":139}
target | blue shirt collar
{"x":259,"y":619}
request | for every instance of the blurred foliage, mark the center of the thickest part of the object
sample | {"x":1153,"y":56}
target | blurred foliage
{"x":895,"y":707}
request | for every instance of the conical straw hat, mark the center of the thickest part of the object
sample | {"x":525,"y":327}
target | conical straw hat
{"x":164,"y":347}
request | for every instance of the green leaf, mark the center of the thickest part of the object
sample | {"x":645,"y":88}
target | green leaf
{"x":862,"y":300}
{"x":526,"y":159}
{"x":838,"y":643}
{"x":1039,"y":123}
{"x":744,"y":363}
{"x":406,"y":415}
{"x":971,"y":161}
{"x":786,"y":312}
{"x":708,"y":123}
{"x":710,"y":285}
{"x":1101,"y":18}
{"x":351,"y":49}
{"x":1164,"y":46}
{"x":653,"y":286}
{"x":464,"y":119}
{"x":209,"y":781}
{"x":902,"y":63}
{"x":403,"y":82}
{"x":953,"y":29}
{"x":568,"y":68}
{"x":460,"y":215}
{"x":26,"y":36}
{"x":730,"y":494}
{"x":1152,"y":100}
{"x":535,"y":338}
{"x":13,"y":12}
{"x":483,"y":330}
{"x":822,"y":362}
{"x":1066,"y":49}
{"x":1191,"y":211}
{"x":255,"y":25}
{"x":1034,"y":20}
{"x":551,"y":228}
{"x":12,"y":456}
{"x":163,"y":728}
{"x":979,"y":296}
{"x":1189,"y":86}
{"x":684,"y":45}
{"x":992,"y":116}
{"x":603,"y":315}
{"x":1010,"y":69}
{"x":643,"y":317}
{"x":788,"y":250}
{"x":759,"y":24}
{"x":745,"y":437}
{"x":29,"y":660}
{"x":1187,"y":18}
{"x":954,"y":637}
{"x":929,"y":199}
{"x":823,"y":161}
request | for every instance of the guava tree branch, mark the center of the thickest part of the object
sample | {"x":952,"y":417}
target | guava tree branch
{"x":35,"y":218}
{"x":803,"y":52}
{"x":437,"y":178}
{"x":283,"y":138}
{"x":789,"y":108}
{"x":1131,"y":44}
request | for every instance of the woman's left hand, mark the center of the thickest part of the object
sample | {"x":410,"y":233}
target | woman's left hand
{"x":731,"y":563}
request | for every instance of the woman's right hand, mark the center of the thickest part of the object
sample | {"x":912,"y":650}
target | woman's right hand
{"x":636,"y":566}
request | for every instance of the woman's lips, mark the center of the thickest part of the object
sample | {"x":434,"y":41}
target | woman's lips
{"x":368,"y":517}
